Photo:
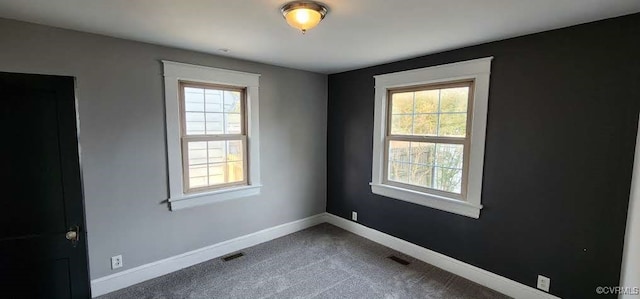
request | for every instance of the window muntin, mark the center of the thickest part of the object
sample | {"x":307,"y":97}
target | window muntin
{"x":427,"y":141}
{"x":213,"y":136}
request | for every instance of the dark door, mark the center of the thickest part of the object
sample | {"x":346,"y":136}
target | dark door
{"x":41,"y":196}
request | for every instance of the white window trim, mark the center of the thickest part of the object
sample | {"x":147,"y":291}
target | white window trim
{"x":477,"y":70}
{"x":173,"y":73}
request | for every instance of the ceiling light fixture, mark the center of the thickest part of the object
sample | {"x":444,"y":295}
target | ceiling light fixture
{"x":303,"y":15}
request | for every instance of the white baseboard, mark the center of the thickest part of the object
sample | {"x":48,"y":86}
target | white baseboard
{"x":110,"y":283}
{"x":493,"y":281}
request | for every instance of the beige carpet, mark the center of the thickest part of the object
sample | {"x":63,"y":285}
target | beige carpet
{"x":320,"y":262}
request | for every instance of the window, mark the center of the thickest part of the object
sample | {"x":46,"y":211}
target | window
{"x":429,"y":135}
{"x":212,"y":134}
{"x":426,"y":138}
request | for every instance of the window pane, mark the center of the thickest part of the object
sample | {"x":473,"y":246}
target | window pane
{"x":425,"y":124}
{"x":216,"y":174}
{"x":197,"y":176}
{"x":195,"y":123}
{"x":211,"y":111}
{"x":420,"y":175}
{"x":214,"y":123}
{"x":212,"y":163}
{"x":402,"y":103}
{"x":197,"y":153}
{"x":399,"y":151}
{"x":401,"y":124}
{"x":423,"y":153}
{"x":411,"y":162}
{"x":454,"y":99}
{"x":194,"y":90}
{"x":427,"y":101}
{"x":448,"y":179}
{"x":424,"y":164}
{"x":213,"y":100}
{"x":194,"y":99}
{"x":198,"y":171}
{"x":235,"y":172}
{"x":453,"y":124}
{"x":194,"y":94}
{"x":433,"y":112}
{"x":235,"y":150}
{"x":232,"y":101}
{"x":194,"y":107}
{"x":216,"y":151}
{"x":449,"y":155}
{"x":232,"y":123}
{"x":399,"y":172}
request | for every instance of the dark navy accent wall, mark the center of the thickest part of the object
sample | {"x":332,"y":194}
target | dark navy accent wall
{"x":563,"y":116}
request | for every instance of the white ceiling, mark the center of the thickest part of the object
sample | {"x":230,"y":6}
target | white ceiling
{"x":355,"y":33}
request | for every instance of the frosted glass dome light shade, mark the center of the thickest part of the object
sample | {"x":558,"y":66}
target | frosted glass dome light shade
{"x":303,"y":15}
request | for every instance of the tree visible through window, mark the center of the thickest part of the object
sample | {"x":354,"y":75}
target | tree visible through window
{"x":213,"y":136}
{"x":428,"y":139}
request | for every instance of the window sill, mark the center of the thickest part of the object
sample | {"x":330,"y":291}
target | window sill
{"x":429,"y":200}
{"x":194,"y":200}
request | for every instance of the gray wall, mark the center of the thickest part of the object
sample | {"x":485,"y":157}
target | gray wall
{"x":122,"y":135}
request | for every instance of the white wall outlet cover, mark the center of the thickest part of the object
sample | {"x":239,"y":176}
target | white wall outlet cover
{"x":354,"y":216}
{"x":544,"y":283}
{"x":116,"y":262}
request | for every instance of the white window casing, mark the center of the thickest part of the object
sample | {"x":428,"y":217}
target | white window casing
{"x":174,"y":72}
{"x":477,"y":70}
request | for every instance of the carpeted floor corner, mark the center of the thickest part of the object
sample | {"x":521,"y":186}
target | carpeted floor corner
{"x":320,"y":262}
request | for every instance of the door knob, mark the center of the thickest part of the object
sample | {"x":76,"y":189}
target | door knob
{"x":73,"y":235}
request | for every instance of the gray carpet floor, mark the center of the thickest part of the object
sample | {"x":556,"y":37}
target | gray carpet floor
{"x":320,"y":262}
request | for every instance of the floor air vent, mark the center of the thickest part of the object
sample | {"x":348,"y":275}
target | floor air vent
{"x":398,"y":260}
{"x":232,"y":257}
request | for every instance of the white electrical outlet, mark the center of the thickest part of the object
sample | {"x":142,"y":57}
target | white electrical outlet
{"x":116,"y":262}
{"x":354,"y":216}
{"x":544,"y":283}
